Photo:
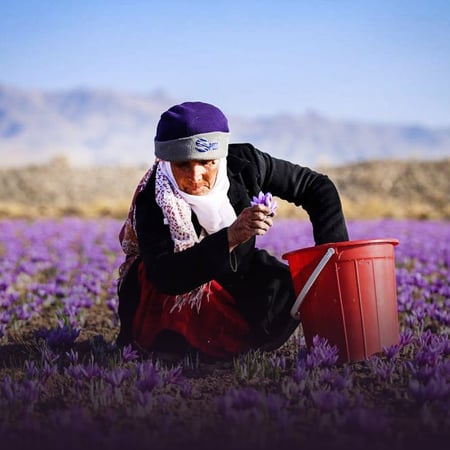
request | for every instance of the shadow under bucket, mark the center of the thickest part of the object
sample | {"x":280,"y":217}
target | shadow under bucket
{"x":347,"y":294}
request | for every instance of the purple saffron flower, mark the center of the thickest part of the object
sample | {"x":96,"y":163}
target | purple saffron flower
{"x":421,"y":373}
{"x":300,"y":372}
{"x":321,"y":354}
{"x":31,"y":370}
{"x":406,"y":337}
{"x":278,"y":362}
{"x":427,"y":356}
{"x":391,"y":351}
{"x":112,"y":304}
{"x":148,"y":377}
{"x":381,"y":368}
{"x":117,"y":376}
{"x":5,"y":317}
{"x":337,"y":381}
{"x":59,"y":337}
{"x":91,"y":370}
{"x":47,"y":354}
{"x":6,"y":389}
{"x":72,"y":356}
{"x":75,"y":372}
{"x":266,"y":200}
{"x":30,"y":392}
{"x":3,"y":285}
{"x":174,"y":376}
{"x":25,"y":391}
{"x":47,"y":371}
{"x":128,"y":354}
{"x":23,"y":312}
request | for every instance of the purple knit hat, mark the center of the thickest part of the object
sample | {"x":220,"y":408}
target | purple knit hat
{"x":192,"y":130}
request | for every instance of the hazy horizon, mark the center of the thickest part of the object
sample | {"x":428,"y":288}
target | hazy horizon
{"x":345,"y":59}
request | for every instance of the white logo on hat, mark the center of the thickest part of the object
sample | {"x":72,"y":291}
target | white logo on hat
{"x":203,"y":145}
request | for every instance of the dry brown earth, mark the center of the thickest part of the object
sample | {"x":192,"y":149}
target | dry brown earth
{"x":390,"y":188}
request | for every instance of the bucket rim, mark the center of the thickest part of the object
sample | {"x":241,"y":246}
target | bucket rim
{"x":341,"y":244}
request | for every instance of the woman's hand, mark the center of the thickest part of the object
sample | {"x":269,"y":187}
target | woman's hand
{"x":253,"y":221}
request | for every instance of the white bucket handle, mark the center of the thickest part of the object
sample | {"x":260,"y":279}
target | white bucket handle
{"x":316,"y":272}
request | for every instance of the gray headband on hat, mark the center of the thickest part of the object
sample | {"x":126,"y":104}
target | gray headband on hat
{"x":203,"y":146}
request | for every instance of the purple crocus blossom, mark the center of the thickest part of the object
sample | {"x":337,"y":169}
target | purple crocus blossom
{"x":115,"y":377}
{"x":391,"y":351}
{"x":129,"y":354}
{"x":69,"y":265}
{"x":174,"y":376}
{"x":25,"y":392}
{"x":46,"y":371}
{"x":72,"y":356}
{"x":91,"y":370}
{"x":148,"y":377}
{"x":266,"y":200}
{"x":59,"y":337}
{"x":381,"y":368}
{"x":321,"y":353}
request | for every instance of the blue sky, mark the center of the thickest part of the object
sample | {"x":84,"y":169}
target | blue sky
{"x":372,"y":60}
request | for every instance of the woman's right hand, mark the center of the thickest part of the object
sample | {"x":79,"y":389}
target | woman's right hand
{"x":252,"y":221}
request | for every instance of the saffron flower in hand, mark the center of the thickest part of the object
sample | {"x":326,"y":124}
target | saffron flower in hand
{"x":266,"y":200}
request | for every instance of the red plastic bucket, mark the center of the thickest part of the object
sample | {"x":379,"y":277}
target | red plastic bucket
{"x":347,"y":294}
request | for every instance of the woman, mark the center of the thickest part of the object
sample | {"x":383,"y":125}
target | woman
{"x":192,"y":277}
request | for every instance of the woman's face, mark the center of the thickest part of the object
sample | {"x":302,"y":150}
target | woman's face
{"x":195,"y":177}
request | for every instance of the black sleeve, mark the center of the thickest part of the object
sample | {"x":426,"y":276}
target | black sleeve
{"x":176,"y":273}
{"x":313,"y":191}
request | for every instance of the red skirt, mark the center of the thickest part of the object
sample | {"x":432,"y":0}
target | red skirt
{"x":217,"y":329}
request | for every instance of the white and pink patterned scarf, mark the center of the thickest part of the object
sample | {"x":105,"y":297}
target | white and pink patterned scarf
{"x":176,"y":209}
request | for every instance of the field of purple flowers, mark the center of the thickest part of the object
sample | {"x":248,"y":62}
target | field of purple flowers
{"x":64,"y":384}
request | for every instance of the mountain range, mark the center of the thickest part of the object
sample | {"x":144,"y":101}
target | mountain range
{"x":88,"y":126}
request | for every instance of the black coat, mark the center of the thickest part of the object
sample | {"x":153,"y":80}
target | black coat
{"x":260,"y":283}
